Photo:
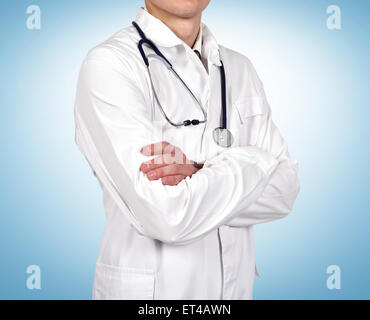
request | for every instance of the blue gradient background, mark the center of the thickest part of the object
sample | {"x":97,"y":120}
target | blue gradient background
{"x":317,"y":82}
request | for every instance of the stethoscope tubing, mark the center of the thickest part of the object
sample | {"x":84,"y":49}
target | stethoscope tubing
{"x":151,"y":44}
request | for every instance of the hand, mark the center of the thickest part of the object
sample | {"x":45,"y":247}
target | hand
{"x":171,"y":165}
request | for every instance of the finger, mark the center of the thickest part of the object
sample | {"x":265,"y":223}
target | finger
{"x":172,"y":180}
{"x":163,"y":160}
{"x":172,"y":170}
{"x":157,"y":148}
{"x":156,"y":163}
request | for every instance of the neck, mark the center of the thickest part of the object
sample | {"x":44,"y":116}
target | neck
{"x":186,"y":29}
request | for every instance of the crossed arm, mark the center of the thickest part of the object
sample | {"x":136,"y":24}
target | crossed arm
{"x":111,"y":127}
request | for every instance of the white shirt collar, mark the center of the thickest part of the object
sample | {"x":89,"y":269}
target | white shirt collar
{"x":163,"y":36}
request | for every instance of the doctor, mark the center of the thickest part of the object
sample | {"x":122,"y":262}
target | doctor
{"x":180,"y":197}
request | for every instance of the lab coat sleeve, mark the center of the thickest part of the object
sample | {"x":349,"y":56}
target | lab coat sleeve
{"x":113,"y":123}
{"x":283,"y":186}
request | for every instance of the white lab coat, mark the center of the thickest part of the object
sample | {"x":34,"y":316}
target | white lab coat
{"x":193,"y":240}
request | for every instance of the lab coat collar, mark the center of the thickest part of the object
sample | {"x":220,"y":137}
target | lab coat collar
{"x":198,"y":43}
{"x":162,"y":36}
{"x":156,"y":30}
{"x":210,"y":47}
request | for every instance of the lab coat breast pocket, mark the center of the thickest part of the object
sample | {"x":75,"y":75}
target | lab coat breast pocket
{"x":251,"y":113}
{"x":118,"y":283}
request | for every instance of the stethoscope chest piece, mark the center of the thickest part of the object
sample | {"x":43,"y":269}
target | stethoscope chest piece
{"x":223,"y":137}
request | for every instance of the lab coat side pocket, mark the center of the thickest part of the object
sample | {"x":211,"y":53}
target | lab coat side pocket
{"x":120,"y":283}
{"x":251,"y":113}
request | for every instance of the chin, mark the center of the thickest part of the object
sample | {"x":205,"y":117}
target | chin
{"x":182,"y":8}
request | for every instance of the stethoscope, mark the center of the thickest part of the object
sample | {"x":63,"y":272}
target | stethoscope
{"x":221,"y":135}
